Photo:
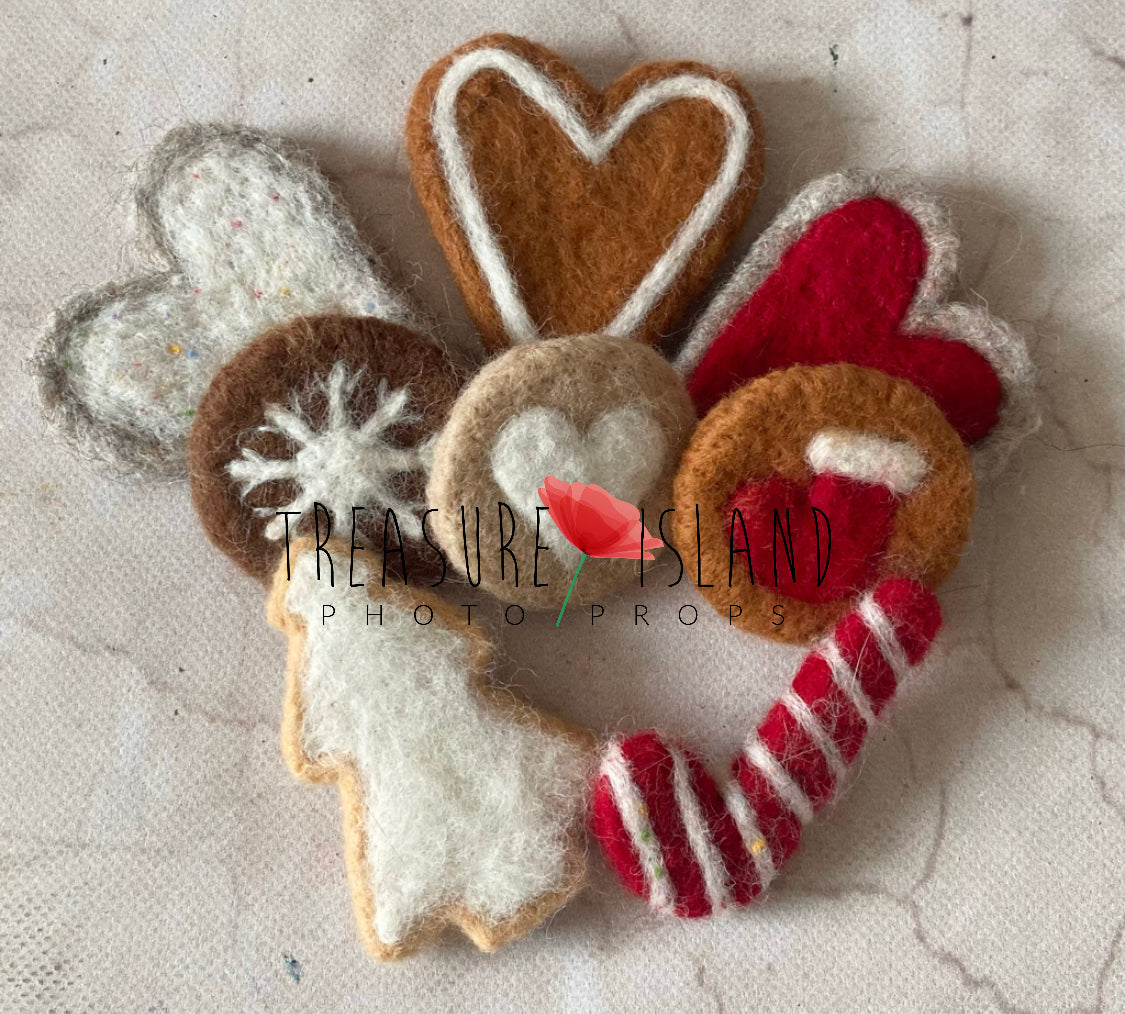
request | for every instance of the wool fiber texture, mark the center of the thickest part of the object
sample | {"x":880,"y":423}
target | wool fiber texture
{"x":461,"y":806}
{"x":338,"y":410}
{"x":250,"y":235}
{"x":587,"y":408}
{"x":858,"y":268}
{"x":751,"y":452}
{"x":563,"y":210}
{"x":693,"y":845}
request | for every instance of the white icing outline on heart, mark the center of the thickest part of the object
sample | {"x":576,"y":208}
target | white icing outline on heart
{"x":519,"y":475}
{"x":541,"y":90}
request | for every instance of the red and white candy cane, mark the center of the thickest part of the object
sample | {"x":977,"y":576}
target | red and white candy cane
{"x":691,"y":847}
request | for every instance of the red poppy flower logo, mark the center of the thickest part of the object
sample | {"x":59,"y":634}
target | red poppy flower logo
{"x":597,"y":524}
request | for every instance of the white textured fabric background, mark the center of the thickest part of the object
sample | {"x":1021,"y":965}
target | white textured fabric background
{"x":155,"y":855}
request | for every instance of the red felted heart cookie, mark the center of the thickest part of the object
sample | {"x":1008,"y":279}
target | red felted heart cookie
{"x":857,"y":270}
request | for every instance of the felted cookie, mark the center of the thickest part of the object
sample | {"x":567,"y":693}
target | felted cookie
{"x":806,"y":487}
{"x":250,"y":235}
{"x":462,"y":807}
{"x":587,"y":409}
{"x":692,"y":845}
{"x":858,"y":269}
{"x":339,"y":411}
{"x":563,"y":210}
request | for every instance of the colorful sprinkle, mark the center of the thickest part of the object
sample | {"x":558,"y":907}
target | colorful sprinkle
{"x":192,"y":354}
{"x":189,"y":412}
{"x":174,"y":349}
{"x":237,"y":223}
{"x":285,"y":292}
{"x":275,"y":197}
{"x":196,"y":292}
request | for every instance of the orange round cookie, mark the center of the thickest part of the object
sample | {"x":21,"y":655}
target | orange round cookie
{"x":334,"y":409}
{"x":869,"y":448}
{"x":587,"y":409}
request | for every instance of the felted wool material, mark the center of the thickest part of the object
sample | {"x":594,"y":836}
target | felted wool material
{"x":462,"y":807}
{"x":251,"y":235}
{"x":692,"y":846}
{"x":867,"y":458}
{"x":563,"y":210}
{"x":750,"y":454}
{"x":336,"y":410}
{"x":858,"y":269}
{"x":587,"y":408}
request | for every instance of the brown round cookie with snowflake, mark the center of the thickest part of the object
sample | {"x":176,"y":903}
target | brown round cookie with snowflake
{"x":337,"y":411}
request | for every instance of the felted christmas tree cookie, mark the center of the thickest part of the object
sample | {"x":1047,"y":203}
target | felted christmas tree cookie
{"x":249,"y":234}
{"x":462,"y":807}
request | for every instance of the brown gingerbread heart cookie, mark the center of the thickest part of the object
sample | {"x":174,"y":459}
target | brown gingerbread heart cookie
{"x":334,"y":410}
{"x":564,"y":210}
{"x":806,"y":487}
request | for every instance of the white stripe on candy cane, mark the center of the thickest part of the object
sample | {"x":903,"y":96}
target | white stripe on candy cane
{"x":752,"y":838}
{"x":844,"y":676}
{"x":634,"y":815}
{"x":798,"y":707}
{"x":707,"y":856}
{"x":883,"y":630}
{"x":788,"y":790}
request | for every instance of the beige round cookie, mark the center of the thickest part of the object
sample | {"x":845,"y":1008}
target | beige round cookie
{"x":585,"y":408}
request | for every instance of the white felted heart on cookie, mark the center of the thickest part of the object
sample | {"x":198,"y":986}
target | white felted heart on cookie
{"x":587,"y":408}
{"x":543,"y":441}
{"x":252,"y":236}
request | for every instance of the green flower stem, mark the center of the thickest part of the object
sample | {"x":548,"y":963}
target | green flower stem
{"x":570,"y":590}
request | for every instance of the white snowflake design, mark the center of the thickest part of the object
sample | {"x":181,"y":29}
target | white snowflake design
{"x":341,"y":465}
